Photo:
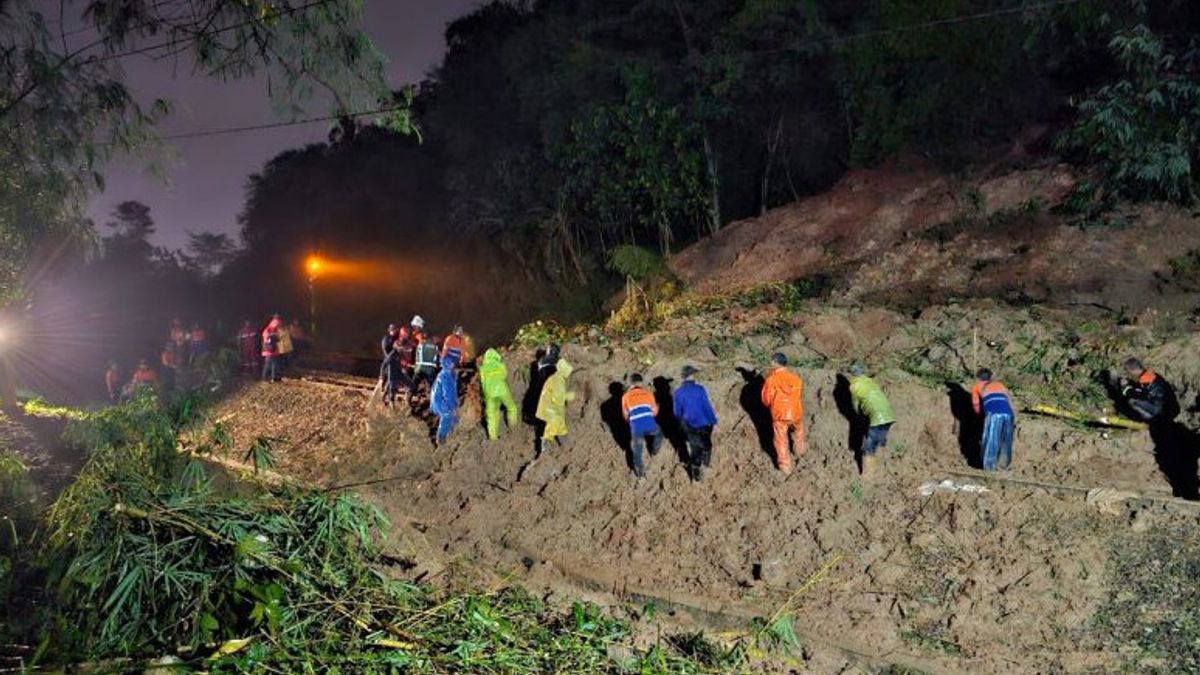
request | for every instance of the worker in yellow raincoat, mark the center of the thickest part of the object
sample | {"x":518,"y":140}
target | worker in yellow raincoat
{"x":493,"y":378}
{"x":552,"y":406}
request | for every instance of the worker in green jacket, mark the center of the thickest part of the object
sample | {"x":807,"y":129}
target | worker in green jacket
{"x":870,"y":402}
{"x":493,"y":377}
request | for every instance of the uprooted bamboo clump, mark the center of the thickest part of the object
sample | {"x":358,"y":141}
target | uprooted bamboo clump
{"x":147,"y":556}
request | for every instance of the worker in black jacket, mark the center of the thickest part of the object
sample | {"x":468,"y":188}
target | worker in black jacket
{"x":1147,"y":393}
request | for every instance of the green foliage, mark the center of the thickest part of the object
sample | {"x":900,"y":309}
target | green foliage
{"x":1185,"y":270}
{"x":1141,"y":131}
{"x":637,"y":263}
{"x":18,"y":497}
{"x":921,"y":82}
{"x":261,"y":454}
{"x":142,"y":556}
{"x":635,"y":165}
{"x":1152,"y":614}
{"x":778,"y":634}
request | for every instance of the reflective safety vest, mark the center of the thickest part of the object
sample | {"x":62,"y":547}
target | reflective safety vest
{"x":427,"y":355}
{"x":991,"y":398}
{"x":640,"y":408}
{"x":454,"y":348}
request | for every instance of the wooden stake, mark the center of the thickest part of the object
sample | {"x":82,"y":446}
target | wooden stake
{"x":974,"y":349}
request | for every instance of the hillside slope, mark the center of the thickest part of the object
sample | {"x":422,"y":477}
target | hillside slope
{"x":911,"y":239}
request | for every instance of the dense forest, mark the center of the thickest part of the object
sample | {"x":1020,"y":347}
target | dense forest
{"x":554,"y":135}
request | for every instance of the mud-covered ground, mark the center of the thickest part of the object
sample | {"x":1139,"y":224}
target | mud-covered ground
{"x":1005,"y":580}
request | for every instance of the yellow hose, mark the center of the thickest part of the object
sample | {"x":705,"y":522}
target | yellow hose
{"x":1103,"y":420}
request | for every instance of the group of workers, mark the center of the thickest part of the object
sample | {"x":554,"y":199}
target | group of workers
{"x":274,"y":344}
{"x":1144,"y":392}
{"x":183,"y":347}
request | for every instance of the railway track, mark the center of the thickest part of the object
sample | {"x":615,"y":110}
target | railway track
{"x":335,"y":379}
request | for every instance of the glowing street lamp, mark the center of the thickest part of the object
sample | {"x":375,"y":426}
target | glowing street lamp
{"x":314,"y":266}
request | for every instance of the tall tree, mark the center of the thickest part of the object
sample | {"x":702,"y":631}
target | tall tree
{"x":208,"y":252}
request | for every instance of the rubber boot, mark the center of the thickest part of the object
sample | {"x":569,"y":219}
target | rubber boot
{"x":869,"y":465}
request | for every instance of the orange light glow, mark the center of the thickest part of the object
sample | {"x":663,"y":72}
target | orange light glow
{"x":314,"y":265}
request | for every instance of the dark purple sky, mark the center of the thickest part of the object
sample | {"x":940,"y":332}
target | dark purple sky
{"x":204,"y":186}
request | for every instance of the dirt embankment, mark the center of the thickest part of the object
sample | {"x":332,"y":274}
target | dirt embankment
{"x":914,"y":239}
{"x":999,"y":581}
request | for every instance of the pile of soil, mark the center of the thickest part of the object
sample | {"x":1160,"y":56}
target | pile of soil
{"x":910,"y":239}
{"x":997,"y":581}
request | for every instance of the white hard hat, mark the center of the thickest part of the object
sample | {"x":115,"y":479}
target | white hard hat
{"x":418,"y":322}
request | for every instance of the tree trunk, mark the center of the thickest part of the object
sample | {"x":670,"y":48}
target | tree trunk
{"x":773,"y":137}
{"x":8,"y":384}
{"x":713,"y":210}
{"x":714,"y":188}
{"x":568,"y":243}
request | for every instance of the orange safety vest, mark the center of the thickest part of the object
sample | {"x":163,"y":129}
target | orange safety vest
{"x":455,"y":347}
{"x":638,"y":403}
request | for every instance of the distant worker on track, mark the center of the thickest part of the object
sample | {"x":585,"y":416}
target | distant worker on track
{"x":640,"y":409}
{"x":198,"y":342}
{"x":390,"y":371}
{"x":248,"y":346}
{"x":552,"y":405}
{"x":426,"y":367}
{"x":143,"y":378}
{"x":493,"y":378}
{"x":407,"y":350}
{"x":112,"y":382}
{"x":455,"y":347}
{"x":270,"y":350}
{"x":783,"y":395}
{"x":443,"y":402}
{"x":694,"y":411}
{"x":287,"y":348}
{"x":992,"y":400}
{"x":1148,"y":394}
{"x":870,"y":402}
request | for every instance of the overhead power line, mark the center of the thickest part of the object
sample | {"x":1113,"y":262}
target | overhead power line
{"x":287,"y":11}
{"x":204,"y":133}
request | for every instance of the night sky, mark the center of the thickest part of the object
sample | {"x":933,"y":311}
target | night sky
{"x":205,"y":184}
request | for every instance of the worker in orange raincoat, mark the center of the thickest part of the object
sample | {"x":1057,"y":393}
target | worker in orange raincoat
{"x":783,"y":394}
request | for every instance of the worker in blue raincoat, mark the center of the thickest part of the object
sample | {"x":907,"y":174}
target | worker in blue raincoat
{"x":443,"y":401}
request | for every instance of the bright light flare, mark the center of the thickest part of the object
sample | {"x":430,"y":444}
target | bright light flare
{"x":315,"y":266}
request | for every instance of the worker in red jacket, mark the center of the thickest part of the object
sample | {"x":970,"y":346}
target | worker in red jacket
{"x":270,"y":349}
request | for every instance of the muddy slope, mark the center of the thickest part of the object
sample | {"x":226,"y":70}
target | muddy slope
{"x":1000,"y":581}
{"x":911,"y":239}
